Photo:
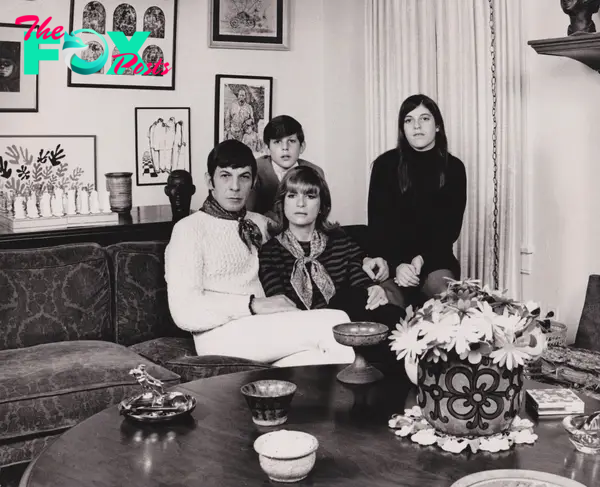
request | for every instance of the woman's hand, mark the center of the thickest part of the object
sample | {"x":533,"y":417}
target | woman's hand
{"x":376,"y":297}
{"x":406,"y":276}
{"x":369,"y":266}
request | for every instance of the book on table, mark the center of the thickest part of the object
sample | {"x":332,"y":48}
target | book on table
{"x":554,"y":402}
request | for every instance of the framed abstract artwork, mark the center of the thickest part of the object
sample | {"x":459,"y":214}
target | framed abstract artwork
{"x":148,"y":63}
{"x":162,"y":143}
{"x":243,"y":106}
{"x":249,"y":24}
{"x":18,"y":92}
{"x":34,"y":163}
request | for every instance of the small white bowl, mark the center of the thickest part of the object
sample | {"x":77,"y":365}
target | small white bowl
{"x":285,"y":455}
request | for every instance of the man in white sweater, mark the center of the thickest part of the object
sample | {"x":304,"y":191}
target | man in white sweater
{"x":211,"y":269}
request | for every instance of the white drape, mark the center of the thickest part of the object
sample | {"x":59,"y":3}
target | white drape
{"x":443,"y":49}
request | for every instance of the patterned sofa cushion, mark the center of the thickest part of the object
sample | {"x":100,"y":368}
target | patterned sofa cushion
{"x":49,"y":388}
{"x":54,"y":294}
{"x":179,"y":356}
{"x":141,"y":306}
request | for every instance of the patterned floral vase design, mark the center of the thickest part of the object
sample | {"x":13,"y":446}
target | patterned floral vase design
{"x":464,"y":399}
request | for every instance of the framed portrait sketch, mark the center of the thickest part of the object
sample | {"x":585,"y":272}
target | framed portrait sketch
{"x":149,"y":69}
{"x":162,"y":143}
{"x":18,"y":92}
{"x":243,"y":106}
{"x":34,"y":163}
{"x":249,"y":24}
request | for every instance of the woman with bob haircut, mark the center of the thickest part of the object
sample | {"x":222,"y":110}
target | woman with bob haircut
{"x":417,"y":198}
{"x":313,"y":261}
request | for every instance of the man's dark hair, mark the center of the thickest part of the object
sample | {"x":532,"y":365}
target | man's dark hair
{"x":233,"y":154}
{"x":283,"y":126}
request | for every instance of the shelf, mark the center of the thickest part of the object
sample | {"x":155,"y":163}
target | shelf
{"x":584,"y":48}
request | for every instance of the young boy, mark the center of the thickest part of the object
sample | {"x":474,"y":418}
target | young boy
{"x":284,"y":139}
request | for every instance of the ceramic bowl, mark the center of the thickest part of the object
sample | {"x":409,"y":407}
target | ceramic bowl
{"x":360,"y":333}
{"x":285,"y":455}
{"x":585,"y":440}
{"x":269,"y":400}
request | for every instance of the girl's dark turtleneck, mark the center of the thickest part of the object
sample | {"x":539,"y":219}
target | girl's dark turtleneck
{"x":426,"y":220}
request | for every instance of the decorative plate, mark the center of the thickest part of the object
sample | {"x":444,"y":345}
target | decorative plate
{"x":141,"y":408}
{"x":515,"y":478}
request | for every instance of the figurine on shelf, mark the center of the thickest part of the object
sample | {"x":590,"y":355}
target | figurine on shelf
{"x":56,"y":203}
{"x":180,"y":189}
{"x":45,"y":208}
{"x":94,"y":203}
{"x":32,"y":209}
{"x":105,"y":199}
{"x":71,"y":205}
{"x":149,"y":384}
{"x":580,"y":12}
{"x":19,"y":208}
{"x":83,"y":202}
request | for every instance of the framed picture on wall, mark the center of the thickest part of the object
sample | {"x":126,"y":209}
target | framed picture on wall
{"x":162,"y":143}
{"x":243,"y":106}
{"x":34,"y":163}
{"x":151,"y":66}
{"x":249,"y":24}
{"x":18,"y":92}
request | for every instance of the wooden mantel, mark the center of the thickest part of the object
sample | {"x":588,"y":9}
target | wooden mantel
{"x":584,"y":48}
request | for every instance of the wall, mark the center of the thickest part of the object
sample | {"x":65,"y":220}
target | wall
{"x":564,"y":223}
{"x":322,"y":90}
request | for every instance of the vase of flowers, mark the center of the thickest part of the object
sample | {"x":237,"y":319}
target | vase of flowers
{"x":466,"y":351}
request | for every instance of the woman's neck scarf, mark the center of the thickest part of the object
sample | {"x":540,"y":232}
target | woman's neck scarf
{"x":247,"y":229}
{"x":301,"y":279}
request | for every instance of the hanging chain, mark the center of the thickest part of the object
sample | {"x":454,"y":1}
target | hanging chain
{"x":496,"y":262}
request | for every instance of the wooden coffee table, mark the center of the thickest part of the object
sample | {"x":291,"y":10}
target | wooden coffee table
{"x":214,"y":447}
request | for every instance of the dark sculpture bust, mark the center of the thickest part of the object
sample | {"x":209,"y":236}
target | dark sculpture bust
{"x":580,"y":12}
{"x":180,"y":189}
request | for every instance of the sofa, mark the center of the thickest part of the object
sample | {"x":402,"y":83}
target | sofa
{"x":75,"y":319}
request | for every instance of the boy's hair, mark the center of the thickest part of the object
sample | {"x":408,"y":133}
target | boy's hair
{"x":303,"y":179}
{"x":282,"y":126}
{"x":231,"y":153}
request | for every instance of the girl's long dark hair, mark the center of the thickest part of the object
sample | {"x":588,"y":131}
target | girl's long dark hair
{"x":404,"y":148}
{"x":306,"y":180}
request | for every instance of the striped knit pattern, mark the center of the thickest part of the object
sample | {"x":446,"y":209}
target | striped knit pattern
{"x":342,"y":258}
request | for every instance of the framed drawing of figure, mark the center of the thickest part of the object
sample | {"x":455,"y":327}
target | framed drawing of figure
{"x":243,"y":106}
{"x":147,"y":28}
{"x":249,"y":24}
{"x":18,"y":92}
{"x":162,"y":143}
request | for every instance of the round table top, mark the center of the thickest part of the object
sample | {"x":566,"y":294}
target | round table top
{"x":213,"y":447}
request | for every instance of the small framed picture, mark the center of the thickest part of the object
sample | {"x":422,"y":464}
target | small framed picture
{"x":152,"y":67}
{"x":34,"y":163}
{"x":18,"y":91}
{"x":249,"y":24}
{"x":243,"y":106}
{"x":162,"y":143}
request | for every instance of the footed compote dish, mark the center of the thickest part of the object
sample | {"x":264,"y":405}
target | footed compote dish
{"x":359,"y":335}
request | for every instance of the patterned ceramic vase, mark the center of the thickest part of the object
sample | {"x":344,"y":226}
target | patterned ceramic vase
{"x":464,"y":399}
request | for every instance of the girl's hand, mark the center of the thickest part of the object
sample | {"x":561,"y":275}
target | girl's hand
{"x":376,"y":297}
{"x":406,"y":276}
{"x":369,"y":266}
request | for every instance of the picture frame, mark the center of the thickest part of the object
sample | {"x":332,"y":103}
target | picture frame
{"x":243,"y":116}
{"x":34,"y":162}
{"x":162,"y":143}
{"x":249,"y":24}
{"x":18,"y":92}
{"x":157,"y":16}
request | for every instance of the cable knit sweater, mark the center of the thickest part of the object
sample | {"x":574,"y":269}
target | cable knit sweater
{"x":210,"y":272}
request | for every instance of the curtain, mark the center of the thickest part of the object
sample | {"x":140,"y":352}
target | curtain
{"x":466,"y":55}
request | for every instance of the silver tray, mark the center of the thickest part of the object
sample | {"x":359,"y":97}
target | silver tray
{"x":515,"y":478}
{"x":141,"y":408}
